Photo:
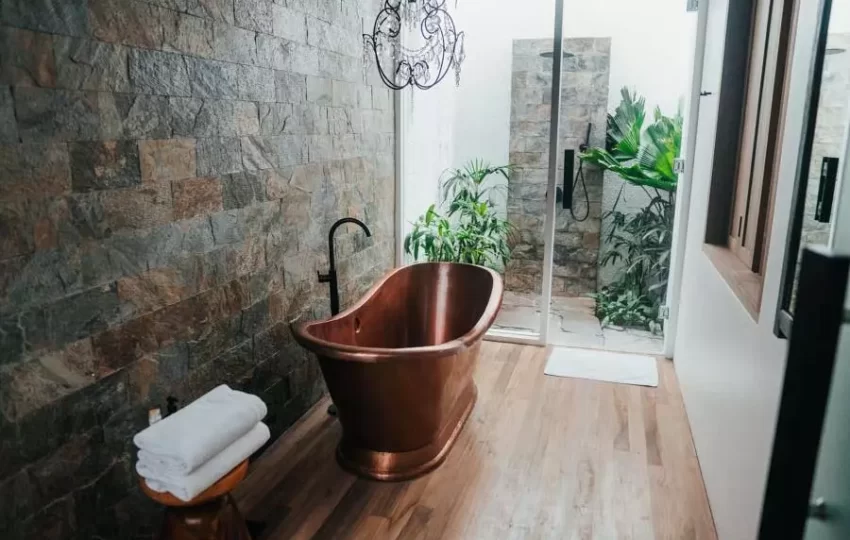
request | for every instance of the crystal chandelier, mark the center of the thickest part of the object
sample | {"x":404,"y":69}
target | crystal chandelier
{"x":424,"y":67}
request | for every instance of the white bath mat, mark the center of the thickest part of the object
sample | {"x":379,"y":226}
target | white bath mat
{"x":602,"y":366}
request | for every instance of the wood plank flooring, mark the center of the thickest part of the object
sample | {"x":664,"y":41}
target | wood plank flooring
{"x":540,"y":457}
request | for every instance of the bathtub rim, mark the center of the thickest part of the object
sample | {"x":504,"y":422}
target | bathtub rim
{"x":329,"y":349}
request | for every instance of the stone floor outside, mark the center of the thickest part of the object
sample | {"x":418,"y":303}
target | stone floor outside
{"x":573,"y":324}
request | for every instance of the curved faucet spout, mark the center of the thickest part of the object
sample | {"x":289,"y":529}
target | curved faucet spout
{"x":332,"y":232}
{"x":356,"y":221}
{"x":330,"y":277}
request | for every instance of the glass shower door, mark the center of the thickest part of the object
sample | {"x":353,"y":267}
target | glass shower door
{"x":534,"y":149}
{"x":504,"y":111}
{"x":559,"y":108}
{"x":607,"y":223}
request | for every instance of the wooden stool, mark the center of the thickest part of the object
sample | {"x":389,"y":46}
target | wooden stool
{"x":212,"y":515}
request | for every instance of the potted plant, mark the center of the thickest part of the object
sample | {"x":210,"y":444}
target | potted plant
{"x":466,"y":226}
{"x":639,"y":242}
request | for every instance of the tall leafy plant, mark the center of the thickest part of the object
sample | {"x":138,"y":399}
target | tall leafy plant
{"x":638,"y":242}
{"x":466,"y":226}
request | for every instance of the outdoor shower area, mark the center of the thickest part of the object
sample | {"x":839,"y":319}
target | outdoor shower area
{"x":476,"y":174}
{"x":581,"y":198}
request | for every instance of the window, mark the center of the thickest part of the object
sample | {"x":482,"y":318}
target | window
{"x":756,"y":59}
{"x":821,"y":147}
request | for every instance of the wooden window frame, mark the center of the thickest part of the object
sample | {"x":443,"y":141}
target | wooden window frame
{"x":747,"y":202}
{"x":751,"y":115}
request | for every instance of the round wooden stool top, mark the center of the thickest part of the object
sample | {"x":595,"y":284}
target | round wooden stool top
{"x":224,"y":486}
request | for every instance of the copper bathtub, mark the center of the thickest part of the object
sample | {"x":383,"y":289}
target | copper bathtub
{"x":399,"y":365}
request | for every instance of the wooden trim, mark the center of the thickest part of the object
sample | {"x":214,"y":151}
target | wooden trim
{"x":731,"y":99}
{"x":746,"y":284}
{"x":773,"y":156}
{"x":766,"y":136}
{"x":758,"y":70}
{"x":765,"y":167}
{"x":770,"y":57}
{"x":760,"y":118}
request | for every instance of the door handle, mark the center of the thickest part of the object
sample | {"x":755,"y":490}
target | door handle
{"x":826,"y":189}
{"x":818,"y":509}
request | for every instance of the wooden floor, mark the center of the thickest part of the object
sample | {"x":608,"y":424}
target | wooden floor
{"x":540,"y":457}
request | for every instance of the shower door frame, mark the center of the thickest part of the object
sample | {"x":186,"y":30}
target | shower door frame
{"x":542,"y":336}
{"x":680,"y":225}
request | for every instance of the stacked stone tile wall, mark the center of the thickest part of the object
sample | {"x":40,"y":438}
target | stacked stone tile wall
{"x":829,"y":131}
{"x":584,"y":100}
{"x":169,"y":170}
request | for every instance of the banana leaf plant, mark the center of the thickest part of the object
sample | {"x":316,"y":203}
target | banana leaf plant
{"x":640,"y":155}
{"x":638,"y":243}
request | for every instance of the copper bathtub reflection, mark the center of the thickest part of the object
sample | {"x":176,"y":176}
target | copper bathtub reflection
{"x":399,"y":365}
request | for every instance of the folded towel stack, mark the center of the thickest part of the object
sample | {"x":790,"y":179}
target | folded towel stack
{"x":193,"y":448}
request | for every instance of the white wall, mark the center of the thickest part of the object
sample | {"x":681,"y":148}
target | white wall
{"x":427,"y":123}
{"x":648,"y":52}
{"x":730,"y":367}
{"x":839,"y":19}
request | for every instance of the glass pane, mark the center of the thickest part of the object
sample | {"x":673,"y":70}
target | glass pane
{"x":827,"y":146}
{"x":458,"y":130}
{"x":529,"y":143}
{"x":612,"y":243}
{"x":502,"y":116}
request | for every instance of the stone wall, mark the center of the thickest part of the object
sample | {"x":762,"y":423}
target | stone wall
{"x":584,"y":99}
{"x":168,"y":173}
{"x":829,"y":131}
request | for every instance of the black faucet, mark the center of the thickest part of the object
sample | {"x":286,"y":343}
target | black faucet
{"x":330,"y":277}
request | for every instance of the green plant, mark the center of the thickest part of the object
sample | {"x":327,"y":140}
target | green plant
{"x":470,"y":230}
{"x":638,"y":242}
{"x":625,"y":308}
{"x":643,"y":157}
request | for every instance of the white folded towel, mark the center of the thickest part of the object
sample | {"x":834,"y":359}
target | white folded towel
{"x":182,"y":442}
{"x":190,"y":486}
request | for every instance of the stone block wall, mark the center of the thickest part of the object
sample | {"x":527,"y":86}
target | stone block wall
{"x":169,"y":170}
{"x":584,"y":99}
{"x":829,"y":131}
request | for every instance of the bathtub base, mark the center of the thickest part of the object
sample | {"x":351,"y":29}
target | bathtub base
{"x":398,"y":466}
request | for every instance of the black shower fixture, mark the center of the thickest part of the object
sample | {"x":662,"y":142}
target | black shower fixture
{"x":423,"y":67}
{"x":565,"y":194}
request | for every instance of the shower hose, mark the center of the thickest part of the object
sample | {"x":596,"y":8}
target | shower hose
{"x":580,"y":179}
